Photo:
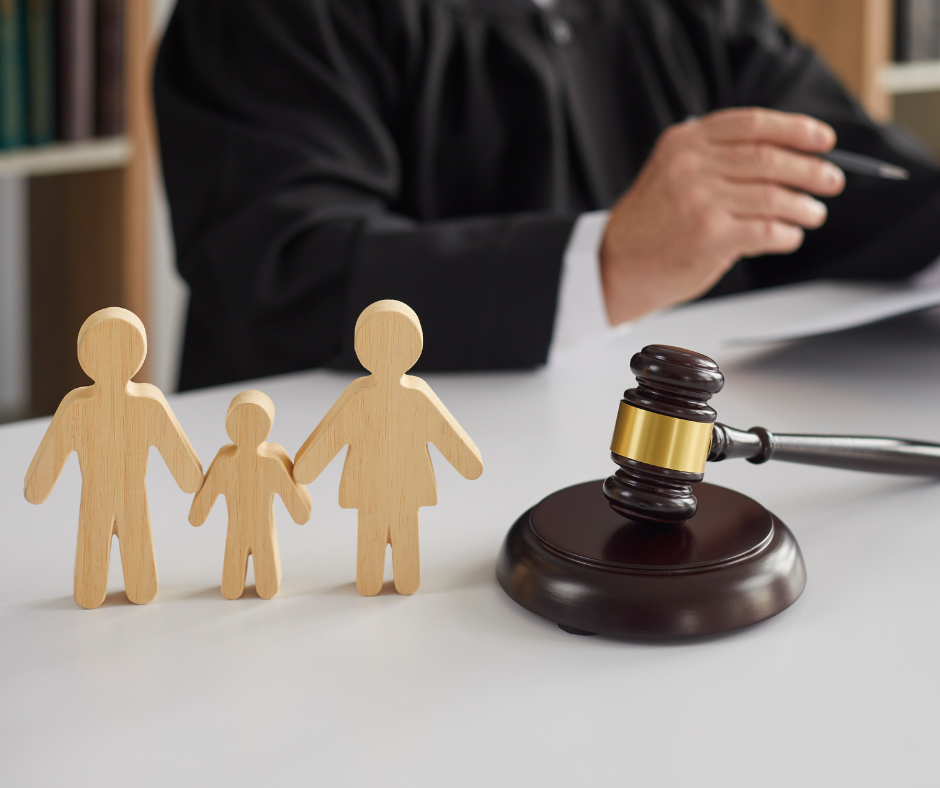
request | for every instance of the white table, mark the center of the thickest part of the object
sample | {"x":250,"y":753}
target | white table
{"x":457,"y":686}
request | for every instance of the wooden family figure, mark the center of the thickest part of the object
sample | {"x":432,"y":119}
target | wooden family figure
{"x":386,"y":418}
{"x":111,"y":425}
{"x":248,"y":472}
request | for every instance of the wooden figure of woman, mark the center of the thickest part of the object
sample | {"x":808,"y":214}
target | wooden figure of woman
{"x":387,"y":419}
{"x":248,"y":472}
{"x":111,"y":425}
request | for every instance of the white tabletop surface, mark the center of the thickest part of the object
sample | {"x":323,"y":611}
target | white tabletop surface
{"x":458,"y":686}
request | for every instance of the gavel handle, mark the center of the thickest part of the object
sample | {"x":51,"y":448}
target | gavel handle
{"x":854,"y":453}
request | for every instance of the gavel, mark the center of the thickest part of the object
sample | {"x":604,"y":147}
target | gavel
{"x":666,"y":431}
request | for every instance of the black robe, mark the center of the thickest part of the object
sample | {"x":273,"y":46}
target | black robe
{"x":320,"y":155}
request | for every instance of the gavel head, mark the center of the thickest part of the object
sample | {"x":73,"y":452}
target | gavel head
{"x":663,"y":434}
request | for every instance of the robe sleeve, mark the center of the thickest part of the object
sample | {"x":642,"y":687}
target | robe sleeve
{"x":876,"y":229}
{"x":280,"y":126}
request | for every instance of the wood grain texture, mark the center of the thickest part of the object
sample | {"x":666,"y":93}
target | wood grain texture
{"x":388,"y":419}
{"x":111,"y":425}
{"x":248,"y":472}
{"x":855,"y":37}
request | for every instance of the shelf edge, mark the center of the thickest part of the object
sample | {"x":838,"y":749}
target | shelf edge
{"x":916,"y":77}
{"x":58,"y":158}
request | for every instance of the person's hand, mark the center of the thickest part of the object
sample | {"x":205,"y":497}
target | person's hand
{"x":732,"y":184}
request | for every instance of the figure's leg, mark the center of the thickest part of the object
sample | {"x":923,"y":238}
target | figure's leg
{"x":135,"y":538}
{"x":267,"y":560}
{"x":406,"y":556}
{"x":93,"y":553}
{"x":370,"y":558}
{"x":235,"y":566}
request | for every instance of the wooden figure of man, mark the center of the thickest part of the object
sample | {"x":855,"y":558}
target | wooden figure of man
{"x":248,"y":472}
{"x":387,"y":419}
{"x":111,"y":425}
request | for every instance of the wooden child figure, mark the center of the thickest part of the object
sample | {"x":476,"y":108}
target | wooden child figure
{"x":387,"y":419}
{"x":248,"y":473}
{"x":111,"y":425}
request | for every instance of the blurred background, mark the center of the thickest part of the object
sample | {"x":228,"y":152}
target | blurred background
{"x":83,"y":216}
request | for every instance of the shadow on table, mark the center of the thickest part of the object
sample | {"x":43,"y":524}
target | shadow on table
{"x":906,"y":343}
{"x":113,"y":599}
{"x":215,"y":592}
{"x":169,"y":596}
{"x":349,"y":589}
{"x":477,"y":575}
{"x":522,"y":624}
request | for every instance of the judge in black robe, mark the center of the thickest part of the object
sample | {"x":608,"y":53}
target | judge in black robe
{"x":320,"y":155}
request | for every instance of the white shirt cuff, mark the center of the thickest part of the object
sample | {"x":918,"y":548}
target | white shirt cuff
{"x":581,"y":314}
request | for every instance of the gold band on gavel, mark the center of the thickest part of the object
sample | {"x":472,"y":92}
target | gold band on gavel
{"x":663,"y":441}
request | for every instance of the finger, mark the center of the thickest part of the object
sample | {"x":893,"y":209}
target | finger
{"x":773,"y":164}
{"x":769,"y":201}
{"x":754,"y":124}
{"x":766,"y":236}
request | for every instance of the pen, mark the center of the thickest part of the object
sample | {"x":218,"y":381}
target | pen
{"x":857,"y":163}
{"x":865,"y":165}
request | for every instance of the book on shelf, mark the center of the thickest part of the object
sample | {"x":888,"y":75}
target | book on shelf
{"x":62,"y":65}
{"x":40,"y":50}
{"x":109,"y":111}
{"x":13,"y":121}
{"x":76,"y":69}
{"x":917,"y":30}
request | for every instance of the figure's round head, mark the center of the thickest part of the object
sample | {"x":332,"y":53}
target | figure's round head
{"x":112,"y":345}
{"x":250,"y":418}
{"x":389,"y":339}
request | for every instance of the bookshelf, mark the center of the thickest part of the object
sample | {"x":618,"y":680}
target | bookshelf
{"x":88,"y":226}
{"x":856,"y":37}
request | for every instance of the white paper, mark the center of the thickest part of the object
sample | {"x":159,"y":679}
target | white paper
{"x":839,"y":306}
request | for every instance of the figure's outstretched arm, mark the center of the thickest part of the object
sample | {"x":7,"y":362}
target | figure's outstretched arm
{"x":329,"y":437}
{"x":295,"y":495}
{"x":445,"y":433}
{"x":168,"y":436}
{"x":211,"y":486}
{"x":54,"y":449}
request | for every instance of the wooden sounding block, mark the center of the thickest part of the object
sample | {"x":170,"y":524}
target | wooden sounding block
{"x":638,"y":554}
{"x":248,"y":472}
{"x":387,"y":419}
{"x":111,"y":425}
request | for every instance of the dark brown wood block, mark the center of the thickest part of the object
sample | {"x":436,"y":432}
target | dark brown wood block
{"x":573,"y":560}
